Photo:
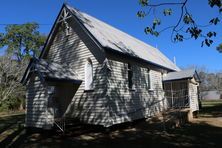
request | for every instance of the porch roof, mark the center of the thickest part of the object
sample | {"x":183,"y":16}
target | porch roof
{"x":183,"y":74}
{"x":52,"y":71}
{"x":56,"y":71}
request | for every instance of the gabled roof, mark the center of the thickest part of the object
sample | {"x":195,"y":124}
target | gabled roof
{"x":184,"y":74}
{"x":114,"y":39}
{"x":51,"y":71}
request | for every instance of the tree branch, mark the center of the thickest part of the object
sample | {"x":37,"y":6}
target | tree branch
{"x":162,"y":4}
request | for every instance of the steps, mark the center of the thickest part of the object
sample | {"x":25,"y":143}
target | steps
{"x":62,"y":123}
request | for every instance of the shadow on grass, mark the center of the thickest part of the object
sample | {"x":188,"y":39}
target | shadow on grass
{"x":139,"y":134}
{"x":211,"y":109}
{"x":8,"y":121}
{"x":10,"y":127}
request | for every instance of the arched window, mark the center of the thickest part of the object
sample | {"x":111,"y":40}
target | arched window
{"x":88,"y":75}
{"x":149,"y":85}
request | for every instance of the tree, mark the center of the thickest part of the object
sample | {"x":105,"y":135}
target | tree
{"x":10,"y":75}
{"x":219,"y":48}
{"x":21,"y":41}
{"x":210,"y":81}
{"x":186,"y":27}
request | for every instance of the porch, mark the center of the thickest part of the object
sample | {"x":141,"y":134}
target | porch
{"x":56,"y":85}
{"x":182,"y":89}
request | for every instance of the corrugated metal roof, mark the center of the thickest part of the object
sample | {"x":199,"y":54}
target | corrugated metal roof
{"x":188,"y":73}
{"x":115,"y":39}
{"x":55,"y":70}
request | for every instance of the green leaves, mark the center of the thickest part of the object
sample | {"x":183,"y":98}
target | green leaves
{"x":156,"y":22}
{"x":141,"y":14}
{"x":185,"y":27}
{"x":150,"y":31}
{"x":143,"y":3}
{"x":187,"y":19}
{"x":167,"y":12}
{"x":207,"y":42}
{"x":213,"y":3}
{"x":219,"y":48}
{"x":214,"y":21}
{"x":2,"y":40}
{"x":211,"y":34}
{"x":178,"y":37}
{"x":217,"y":3}
{"x":194,"y":32}
{"x":22,"y":40}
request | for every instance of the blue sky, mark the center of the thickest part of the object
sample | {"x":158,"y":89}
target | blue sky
{"x":122,"y":15}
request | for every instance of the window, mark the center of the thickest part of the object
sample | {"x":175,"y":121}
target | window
{"x":130,"y":77}
{"x":88,"y":75}
{"x":149,"y":80}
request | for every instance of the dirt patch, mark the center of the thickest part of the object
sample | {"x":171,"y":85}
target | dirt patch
{"x":213,"y":121}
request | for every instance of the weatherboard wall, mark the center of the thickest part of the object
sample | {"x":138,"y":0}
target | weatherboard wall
{"x":74,"y":49}
{"x":36,"y":103}
{"x":130,"y":104}
{"x":111,"y":101}
{"x":193,"y":93}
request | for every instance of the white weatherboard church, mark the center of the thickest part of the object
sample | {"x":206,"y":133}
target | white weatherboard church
{"x":93,"y":72}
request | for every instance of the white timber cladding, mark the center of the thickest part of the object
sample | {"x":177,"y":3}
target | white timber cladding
{"x":194,"y":105}
{"x":75,"y":50}
{"x":126,"y":104}
{"x":111,"y":100}
{"x":36,"y":107}
{"x":149,"y":85}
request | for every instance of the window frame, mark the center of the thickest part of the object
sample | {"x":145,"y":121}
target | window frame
{"x":88,"y":73}
{"x":150,"y":88}
{"x":130,"y":77}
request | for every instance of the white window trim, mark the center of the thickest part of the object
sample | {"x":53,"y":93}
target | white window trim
{"x":88,"y":75}
{"x":150,"y":81}
{"x":129,"y":69}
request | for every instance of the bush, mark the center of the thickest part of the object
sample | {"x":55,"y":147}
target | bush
{"x":12,"y":104}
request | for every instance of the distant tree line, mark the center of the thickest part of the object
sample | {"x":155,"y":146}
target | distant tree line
{"x":210,"y":81}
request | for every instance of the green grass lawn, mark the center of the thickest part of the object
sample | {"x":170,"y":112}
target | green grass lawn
{"x":211,"y":108}
{"x":210,"y":102}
